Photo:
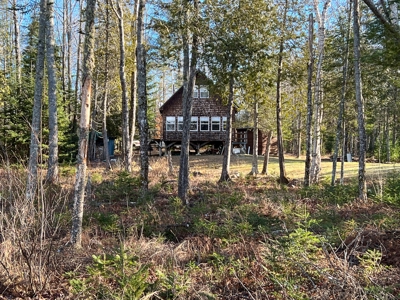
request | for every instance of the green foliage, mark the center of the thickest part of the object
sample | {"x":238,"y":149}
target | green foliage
{"x":370,"y":260}
{"x":288,"y":260}
{"x":338,"y":194}
{"x":108,"y":222}
{"x":173,"y":283}
{"x":391,"y":189}
{"x":116,"y":276}
{"x":122,"y":187}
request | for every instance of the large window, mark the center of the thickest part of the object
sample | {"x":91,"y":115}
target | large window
{"x":204,"y":123}
{"x":170,"y":124}
{"x":204,"y":91}
{"x":196,"y":91}
{"x":224,"y":120}
{"x":194,"y":123}
{"x":180,"y":123}
{"x":215,"y":123}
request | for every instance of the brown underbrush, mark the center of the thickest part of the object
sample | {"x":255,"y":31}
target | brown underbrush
{"x":245,"y":239}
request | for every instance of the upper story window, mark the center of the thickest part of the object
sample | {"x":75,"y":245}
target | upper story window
{"x":204,"y":92}
{"x":215,"y":123}
{"x":180,"y":123}
{"x":170,"y":123}
{"x":194,"y":124}
{"x":204,"y":123}
{"x":196,"y":91}
{"x":224,"y":122}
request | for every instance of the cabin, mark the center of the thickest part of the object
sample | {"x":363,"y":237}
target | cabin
{"x":209,"y":118}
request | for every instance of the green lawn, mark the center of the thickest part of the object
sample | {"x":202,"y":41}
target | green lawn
{"x":211,"y":164}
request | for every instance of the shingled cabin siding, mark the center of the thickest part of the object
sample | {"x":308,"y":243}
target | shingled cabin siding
{"x":202,"y":107}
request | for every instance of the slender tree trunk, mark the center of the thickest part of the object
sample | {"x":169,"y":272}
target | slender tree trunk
{"x":78,"y":75}
{"x":343,"y":154}
{"x":228,"y":139}
{"x":266,"y":154}
{"x":119,"y":11}
{"x":32,"y":181}
{"x":309,"y":100}
{"x":318,"y":103}
{"x":282,"y":171}
{"x":254,"y":165}
{"x":87,"y":78}
{"x":142,"y":98}
{"x":387,"y":134}
{"x":105,"y":100}
{"x":169,"y":160}
{"x":17,"y":47}
{"x":339,"y":130}
{"x":52,"y":169}
{"x":93,"y":126}
{"x":189,"y":78}
{"x":133,"y":83}
{"x":362,"y":187}
{"x":299,"y":137}
{"x":69,"y":59}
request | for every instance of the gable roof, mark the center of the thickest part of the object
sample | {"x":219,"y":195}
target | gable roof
{"x":201,"y":79}
{"x":174,"y":95}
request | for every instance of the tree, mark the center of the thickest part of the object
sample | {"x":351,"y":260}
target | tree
{"x":362,"y":187}
{"x":133,"y":80}
{"x":31,"y":186}
{"x":254,"y":163}
{"x":282,"y":171}
{"x":189,"y":77}
{"x":318,"y":98}
{"x":52,"y":169}
{"x":119,"y":12}
{"x":267,"y":152}
{"x":17,"y":47}
{"x":87,"y":79}
{"x":142,"y":98}
{"x":236,"y":48}
{"x":105,"y":99}
{"x":340,"y":122}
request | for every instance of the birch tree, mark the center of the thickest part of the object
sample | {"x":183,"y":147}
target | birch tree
{"x":190,"y":56}
{"x":340,"y":122}
{"x":52,"y":168}
{"x":119,"y":12}
{"x":318,"y":98}
{"x":362,"y":186}
{"x":32,"y":180}
{"x":87,"y":80}
{"x":133,"y":80}
{"x":310,"y":66}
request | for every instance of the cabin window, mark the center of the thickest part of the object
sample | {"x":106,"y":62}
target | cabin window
{"x":215,"y":123}
{"x":196,"y":92}
{"x":170,"y":124}
{"x":194,"y":123}
{"x":180,"y":123}
{"x":204,"y":123}
{"x":204,"y":91}
{"x":224,"y":121}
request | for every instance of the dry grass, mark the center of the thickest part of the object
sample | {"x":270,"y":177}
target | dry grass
{"x":232,"y":242}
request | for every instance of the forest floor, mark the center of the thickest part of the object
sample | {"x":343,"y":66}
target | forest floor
{"x":245,"y":239}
